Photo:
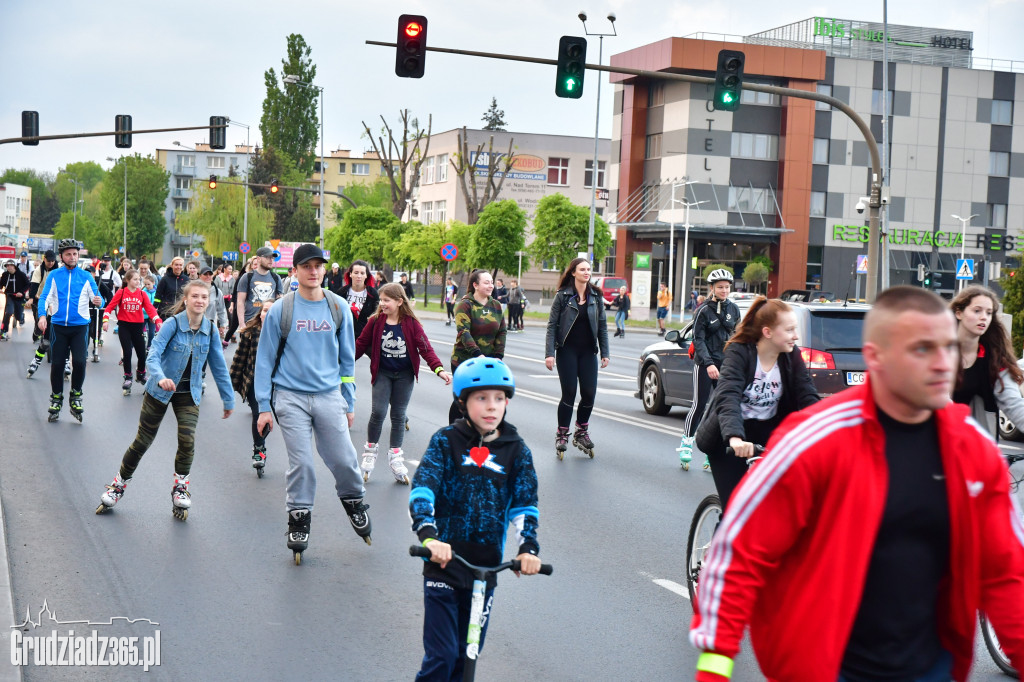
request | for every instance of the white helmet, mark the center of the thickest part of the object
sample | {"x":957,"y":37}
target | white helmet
{"x":719,"y":275}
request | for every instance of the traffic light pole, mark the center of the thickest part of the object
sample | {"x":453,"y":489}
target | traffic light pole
{"x":69,"y":136}
{"x":221,"y":181}
{"x":875,"y":199}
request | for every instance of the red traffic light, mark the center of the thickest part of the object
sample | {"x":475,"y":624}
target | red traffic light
{"x":413,"y":29}
{"x":274,"y":189}
{"x":213,"y":182}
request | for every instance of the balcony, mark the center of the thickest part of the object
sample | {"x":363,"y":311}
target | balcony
{"x":181,"y":193}
{"x":180,"y":169}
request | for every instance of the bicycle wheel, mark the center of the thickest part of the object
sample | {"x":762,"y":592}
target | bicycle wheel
{"x":702,"y":528}
{"x":996,"y":651}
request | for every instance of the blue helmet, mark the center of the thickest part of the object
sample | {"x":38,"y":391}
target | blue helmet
{"x":479,"y":373}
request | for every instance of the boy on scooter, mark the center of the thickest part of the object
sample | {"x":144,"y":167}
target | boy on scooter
{"x":480,"y":458}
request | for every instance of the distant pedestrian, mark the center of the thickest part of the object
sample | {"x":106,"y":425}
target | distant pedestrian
{"x":664,"y":304}
{"x":407,"y":287}
{"x":621,"y":304}
{"x":516,"y":305}
{"x":451,"y":292}
{"x":360,"y":290}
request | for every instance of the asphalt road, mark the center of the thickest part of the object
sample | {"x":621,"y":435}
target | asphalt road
{"x":227,"y":599}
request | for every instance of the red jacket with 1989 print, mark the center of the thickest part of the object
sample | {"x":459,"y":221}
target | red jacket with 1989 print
{"x":792,"y":554}
{"x":129,"y":305}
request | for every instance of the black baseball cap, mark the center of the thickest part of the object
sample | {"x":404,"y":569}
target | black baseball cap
{"x":307,"y":252}
{"x":50,"y":255}
{"x":106,"y":256}
{"x":206,"y":270}
{"x":265,"y":252}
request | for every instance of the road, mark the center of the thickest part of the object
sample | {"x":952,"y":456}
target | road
{"x":229,"y":602}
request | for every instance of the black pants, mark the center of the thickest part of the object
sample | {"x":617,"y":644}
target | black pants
{"x":258,"y":441}
{"x":15,"y":308}
{"x":65,"y":341}
{"x":729,"y":470}
{"x":232,"y":323}
{"x":702,"y":387}
{"x":576,"y":367}
{"x":451,"y":310}
{"x":132,"y":334}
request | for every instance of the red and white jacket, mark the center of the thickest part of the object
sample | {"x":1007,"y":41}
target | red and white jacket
{"x":129,"y":305}
{"x":792,"y":554}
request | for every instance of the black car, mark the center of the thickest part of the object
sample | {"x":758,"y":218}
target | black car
{"x":830,"y":342}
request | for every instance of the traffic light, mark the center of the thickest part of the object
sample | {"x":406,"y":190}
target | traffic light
{"x":572,"y":62}
{"x":926,"y":281}
{"x":411,"y":48}
{"x":274,"y":189}
{"x":123,"y":126}
{"x":936,"y":280}
{"x":213,"y":182}
{"x":728,"y":80}
{"x":30,"y":127}
{"x":218,"y":136}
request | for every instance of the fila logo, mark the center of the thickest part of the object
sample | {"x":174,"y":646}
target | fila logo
{"x":312,"y":326}
{"x":974,"y":488}
{"x":488,"y":463}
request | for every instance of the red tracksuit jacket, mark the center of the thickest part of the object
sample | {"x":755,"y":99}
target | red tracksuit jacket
{"x":792,"y":554}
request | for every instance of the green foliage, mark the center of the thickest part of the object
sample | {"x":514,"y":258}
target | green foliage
{"x":1012,"y":283}
{"x":376,"y":194}
{"x":419,"y":247}
{"x":494,"y":118}
{"x":45,"y":211}
{"x":499,"y":233}
{"x":147,"y":192}
{"x":290,"y":121}
{"x":560,"y":232}
{"x":219,"y":216}
{"x":294,"y":215}
{"x":755,"y":274}
{"x":765,"y":260}
{"x":714,"y":266}
{"x":368,"y":233}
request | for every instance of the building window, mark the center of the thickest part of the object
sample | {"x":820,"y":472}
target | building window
{"x":765,"y":98}
{"x":652,"y":150}
{"x":609,"y":260}
{"x":820,"y":150}
{"x":996,"y":216}
{"x":558,"y":171}
{"x":383,"y":170}
{"x":233,"y":162}
{"x":427,"y":212}
{"x":550,"y":266}
{"x":588,"y":173}
{"x":656,"y":95}
{"x":427,"y":176}
{"x":187,"y":160}
{"x":755,"y":146}
{"x":823,"y":89}
{"x":181,"y":205}
{"x":440,"y":211}
{"x":747,"y":200}
{"x":876,"y":103}
{"x":183,"y":183}
{"x":341,"y":167}
{"x":817,"y":204}
{"x":215,"y":162}
{"x":1002,"y":112}
{"x":999,"y":163}
{"x":442,"y":168}
{"x":316,"y":166}
{"x":815,"y":256}
{"x":360,"y":169}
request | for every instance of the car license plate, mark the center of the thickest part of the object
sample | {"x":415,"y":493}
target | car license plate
{"x":855,"y":378}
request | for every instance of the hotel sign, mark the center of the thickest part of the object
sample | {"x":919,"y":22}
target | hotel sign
{"x":836,"y":28}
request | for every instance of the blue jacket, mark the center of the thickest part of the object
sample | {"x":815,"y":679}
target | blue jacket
{"x":466,"y":493}
{"x":170,"y":353}
{"x":66,"y":296}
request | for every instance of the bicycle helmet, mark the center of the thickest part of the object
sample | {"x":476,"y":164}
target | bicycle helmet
{"x":66,"y":244}
{"x":479,"y":373}
{"x":719,"y":275}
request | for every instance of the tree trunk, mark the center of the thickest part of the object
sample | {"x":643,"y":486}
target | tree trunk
{"x":426,"y":286}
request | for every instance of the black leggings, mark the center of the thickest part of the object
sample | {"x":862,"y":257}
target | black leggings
{"x":576,"y":367}
{"x":132,"y":334}
{"x":64,"y":341}
{"x":729,"y":470}
{"x":451,"y":310}
{"x":258,"y":441}
{"x":702,"y":387}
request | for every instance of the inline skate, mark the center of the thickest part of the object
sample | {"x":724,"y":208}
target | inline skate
{"x":298,"y":532}
{"x":181,"y":498}
{"x":357,"y":516}
{"x":561,"y":441}
{"x":581,"y":440}
{"x":396,"y":460}
{"x":114,"y":493}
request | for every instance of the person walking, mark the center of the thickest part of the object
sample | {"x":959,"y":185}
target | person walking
{"x":516,"y":303}
{"x":577,"y":334}
{"x":232,"y":309}
{"x":170,"y":286}
{"x":500,"y":292}
{"x":129,"y":303}
{"x":215,"y":312}
{"x":306,"y":350}
{"x":621,"y":304}
{"x":713,"y":325}
{"x":182,"y":347}
{"x":258,"y":287}
{"x":15,"y":286}
{"x":877,"y":526}
{"x":664,"y":303}
{"x":334,"y":280}
{"x":35,"y":287}
{"x":395,"y":341}
{"x":243,"y":370}
{"x":407,"y":287}
{"x":479,"y":327}
{"x":66,"y":297}
{"x":360,"y":290}
{"x":25,"y":265}
{"x":149,"y":288}
{"x":451,"y":292}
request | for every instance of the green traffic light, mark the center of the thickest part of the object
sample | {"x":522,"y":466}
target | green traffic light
{"x":727,"y":98}
{"x":570,"y":84}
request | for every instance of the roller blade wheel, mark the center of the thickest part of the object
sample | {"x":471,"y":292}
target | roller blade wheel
{"x":366,"y":477}
{"x":102,"y":508}
{"x":685,"y":466}
{"x":95,"y":357}
{"x":367,"y":539}
{"x":180,"y":513}
{"x":406,"y":424}
{"x":298,"y":558}
{"x":259,"y":472}
{"x":560,"y":454}
{"x":126,"y":391}
{"x":403,"y":479}
{"x":582,"y":448}
{"x":52,"y":417}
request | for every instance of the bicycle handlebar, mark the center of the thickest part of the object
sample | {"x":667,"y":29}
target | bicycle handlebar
{"x":758,"y":452}
{"x":424,"y":552}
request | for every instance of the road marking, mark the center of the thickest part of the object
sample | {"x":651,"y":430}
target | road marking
{"x":672,"y":586}
{"x":539,"y":361}
{"x":631,"y":358}
{"x":615,"y":391}
{"x":607,"y":414}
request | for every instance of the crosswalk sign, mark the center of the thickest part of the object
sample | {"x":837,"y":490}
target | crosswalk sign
{"x":965,"y":268}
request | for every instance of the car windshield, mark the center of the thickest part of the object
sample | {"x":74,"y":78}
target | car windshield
{"x":836,"y":330}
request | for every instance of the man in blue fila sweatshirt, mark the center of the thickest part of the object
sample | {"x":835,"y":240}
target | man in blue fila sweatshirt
{"x":297,"y":380}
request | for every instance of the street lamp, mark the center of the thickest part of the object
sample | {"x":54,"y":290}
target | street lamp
{"x":597,"y":119}
{"x":686,"y":243}
{"x":74,"y":205}
{"x":292,"y":79}
{"x":124,"y":244}
{"x":248,"y":163}
{"x":963,"y":236}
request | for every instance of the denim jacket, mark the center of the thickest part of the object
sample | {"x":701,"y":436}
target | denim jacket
{"x":169,"y":355}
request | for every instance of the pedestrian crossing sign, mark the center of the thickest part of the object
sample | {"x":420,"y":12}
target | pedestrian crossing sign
{"x":965,"y":268}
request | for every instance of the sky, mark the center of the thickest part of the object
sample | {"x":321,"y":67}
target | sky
{"x":175,"y":64}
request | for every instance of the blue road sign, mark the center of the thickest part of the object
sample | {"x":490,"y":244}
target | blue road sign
{"x":449,"y":252}
{"x":231,"y":255}
{"x":965,"y":268}
{"x":244,"y":247}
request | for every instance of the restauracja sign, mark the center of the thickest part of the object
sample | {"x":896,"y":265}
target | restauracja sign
{"x":990,"y":242}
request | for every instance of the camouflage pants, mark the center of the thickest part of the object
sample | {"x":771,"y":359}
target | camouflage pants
{"x":153,"y":411}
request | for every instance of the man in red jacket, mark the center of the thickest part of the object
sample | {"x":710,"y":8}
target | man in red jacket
{"x":877,"y":526}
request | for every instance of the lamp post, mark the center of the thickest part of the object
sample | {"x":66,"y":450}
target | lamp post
{"x":963,"y":238}
{"x":597,"y":120}
{"x":292,"y":79}
{"x":686,"y":243}
{"x":248,"y":163}
{"x":124,"y":244}
{"x":74,"y":205}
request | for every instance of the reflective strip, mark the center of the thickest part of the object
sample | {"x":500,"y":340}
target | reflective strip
{"x":715,"y":663}
{"x":424,"y":543}
{"x":348,"y":380}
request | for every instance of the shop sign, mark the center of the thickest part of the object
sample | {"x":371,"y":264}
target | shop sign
{"x":991,"y":241}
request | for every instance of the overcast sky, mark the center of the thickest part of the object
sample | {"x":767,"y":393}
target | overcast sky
{"x":177,"y":63}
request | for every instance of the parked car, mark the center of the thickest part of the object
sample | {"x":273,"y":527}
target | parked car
{"x":830,"y":342}
{"x":609,"y":286}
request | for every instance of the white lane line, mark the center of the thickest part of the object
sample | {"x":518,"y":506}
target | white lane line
{"x":518,"y":341}
{"x":539,"y":360}
{"x":615,"y":391}
{"x":606,"y":414}
{"x":672,"y":586}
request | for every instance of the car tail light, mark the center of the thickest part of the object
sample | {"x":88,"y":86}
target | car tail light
{"x":817,"y":359}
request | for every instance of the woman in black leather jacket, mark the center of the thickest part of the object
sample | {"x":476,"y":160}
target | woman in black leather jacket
{"x":763,"y":380}
{"x":573,"y":345}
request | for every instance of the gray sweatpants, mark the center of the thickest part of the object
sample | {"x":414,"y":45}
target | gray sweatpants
{"x":302,"y":416}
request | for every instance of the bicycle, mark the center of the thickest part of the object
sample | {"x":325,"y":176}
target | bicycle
{"x":702,"y":530}
{"x":987,"y":632}
{"x":476,"y":609}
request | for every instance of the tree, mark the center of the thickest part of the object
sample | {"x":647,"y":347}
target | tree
{"x":762,"y":258}
{"x":560,"y":230}
{"x":715,"y":266}
{"x":368,"y":233}
{"x":45,"y":211}
{"x":498,"y":235}
{"x":466,"y":164}
{"x":755,"y":274}
{"x":147,"y":194}
{"x":494,"y":118}
{"x":403,"y":157}
{"x":377,"y":194}
{"x":219,"y":216}
{"x":294,"y":215}
{"x":419,"y":247}
{"x":290,"y":122}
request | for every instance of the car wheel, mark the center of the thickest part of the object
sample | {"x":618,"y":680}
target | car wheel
{"x":1007,"y":430}
{"x":652,"y":393}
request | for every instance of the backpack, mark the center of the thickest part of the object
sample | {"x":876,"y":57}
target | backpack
{"x":278,"y":286}
{"x":334,"y":302}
